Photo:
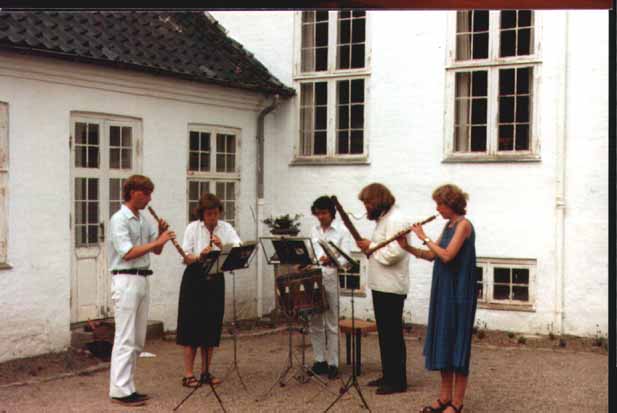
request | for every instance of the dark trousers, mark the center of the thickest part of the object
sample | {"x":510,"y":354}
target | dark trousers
{"x":389,"y":317}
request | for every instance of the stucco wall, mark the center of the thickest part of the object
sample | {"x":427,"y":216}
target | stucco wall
{"x":41,"y":94}
{"x":512,"y":204}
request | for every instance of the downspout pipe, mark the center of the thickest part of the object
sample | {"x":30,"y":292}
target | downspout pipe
{"x":259,"y":199}
{"x":560,"y":195}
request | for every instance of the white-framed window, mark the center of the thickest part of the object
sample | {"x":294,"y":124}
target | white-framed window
{"x":331,"y":72}
{"x":361,"y":292}
{"x":4,"y":181}
{"x":492,"y":81}
{"x":213,"y":166}
{"x":506,"y":283}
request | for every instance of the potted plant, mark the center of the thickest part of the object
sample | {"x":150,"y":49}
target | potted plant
{"x":283,"y":225}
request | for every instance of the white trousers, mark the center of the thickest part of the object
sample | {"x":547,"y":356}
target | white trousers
{"x":324,"y":326}
{"x":130,"y":297}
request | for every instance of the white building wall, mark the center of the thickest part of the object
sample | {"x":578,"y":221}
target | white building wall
{"x":41,"y":94}
{"x":512,"y":205}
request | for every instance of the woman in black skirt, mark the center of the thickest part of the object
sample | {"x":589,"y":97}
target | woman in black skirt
{"x":202,"y":297}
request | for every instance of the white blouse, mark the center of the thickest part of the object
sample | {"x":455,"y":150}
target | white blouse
{"x":197,"y":236}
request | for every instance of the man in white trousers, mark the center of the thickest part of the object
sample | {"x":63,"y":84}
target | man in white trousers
{"x":132,"y":239}
{"x":324,"y":327}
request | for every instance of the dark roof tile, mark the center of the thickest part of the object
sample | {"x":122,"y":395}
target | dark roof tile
{"x":182,"y":44}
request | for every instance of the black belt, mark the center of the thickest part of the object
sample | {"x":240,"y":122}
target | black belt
{"x":134,"y":271}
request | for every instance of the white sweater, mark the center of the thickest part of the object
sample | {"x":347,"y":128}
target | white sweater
{"x":388,"y":267}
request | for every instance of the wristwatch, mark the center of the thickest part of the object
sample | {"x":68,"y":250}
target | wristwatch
{"x":426,"y":240}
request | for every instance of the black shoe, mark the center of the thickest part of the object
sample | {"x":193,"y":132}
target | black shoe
{"x":385,"y":389}
{"x":332,"y":372}
{"x":375,"y":383}
{"x":141,"y":396}
{"x":128,"y":401}
{"x":319,"y":367}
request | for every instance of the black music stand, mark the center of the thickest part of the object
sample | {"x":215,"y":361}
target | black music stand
{"x":350,"y":280}
{"x":209,"y":268}
{"x":292,"y":251}
{"x":237,"y":258}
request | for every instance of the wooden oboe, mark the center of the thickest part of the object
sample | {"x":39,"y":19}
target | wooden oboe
{"x":173,"y":241}
{"x":398,"y":235}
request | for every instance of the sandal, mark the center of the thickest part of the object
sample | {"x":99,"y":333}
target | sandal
{"x":206,"y":378}
{"x":441,"y":408}
{"x":456,"y":409}
{"x":191,"y":382}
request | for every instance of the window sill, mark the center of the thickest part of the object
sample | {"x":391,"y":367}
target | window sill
{"x":491,"y":158}
{"x":5,"y":266}
{"x":528,"y":308}
{"x":330,"y":161}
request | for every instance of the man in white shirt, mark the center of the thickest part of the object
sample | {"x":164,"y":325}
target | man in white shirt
{"x":324,"y":327}
{"x":132,"y":239}
{"x":388,"y":279}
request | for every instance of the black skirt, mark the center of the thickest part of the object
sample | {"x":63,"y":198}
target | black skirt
{"x":200,"y":308}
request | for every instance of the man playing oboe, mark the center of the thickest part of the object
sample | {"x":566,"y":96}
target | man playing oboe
{"x":388,"y":279}
{"x":132,"y":239}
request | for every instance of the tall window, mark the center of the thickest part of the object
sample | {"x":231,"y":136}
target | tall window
{"x":213,"y":167}
{"x":332,"y":73}
{"x":4,"y":181}
{"x":492,"y":65}
{"x":505,"y":283}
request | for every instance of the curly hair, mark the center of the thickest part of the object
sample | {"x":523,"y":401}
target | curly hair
{"x":136,"y":183}
{"x":453,"y":197}
{"x":378,"y":194}
{"x":207,"y":201}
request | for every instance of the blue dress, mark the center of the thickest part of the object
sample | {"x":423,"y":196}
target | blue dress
{"x":452,"y":308}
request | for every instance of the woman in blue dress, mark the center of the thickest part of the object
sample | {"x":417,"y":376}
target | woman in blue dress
{"x":453,"y":300}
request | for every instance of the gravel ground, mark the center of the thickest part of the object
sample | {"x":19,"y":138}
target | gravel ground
{"x":501,"y":380}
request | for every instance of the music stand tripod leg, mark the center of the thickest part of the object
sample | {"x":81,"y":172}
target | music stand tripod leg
{"x":234,"y":323}
{"x":282,"y":375}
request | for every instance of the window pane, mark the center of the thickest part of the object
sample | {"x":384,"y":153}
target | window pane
{"x":93,"y":212}
{"x":480,"y":46}
{"x":480,"y":83}
{"x":231,"y":143}
{"x":461,"y":138}
{"x":357,"y":55}
{"x":93,"y":157}
{"x":463,"y":21}
{"x":522,"y":138}
{"x":114,"y":136}
{"x":478,"y":111}
{"x":320,"y":118}
{"x":505,"y":138}
{"x":308,"y":16}
{"x":343,"y":117}
{"x":231,"y":191}
{"x":524,"y":18}
{"x":80,"y":133}
{"x":193,"y":161}
{"x":359,"y":13}
{"x":524,"y":42}
{"x":357,"y":90}
{"x":463,"y":47}
{"x":506,"y":82}
{"x":502,"y":275}
{"x":321,"y":16}
{"x":520,"y":293}
{"x":357,"y":116}
{"x":127,"y":136}
{"x":344,"y":31}
{"x":520,"y":276}
{"x":80,"y":213}
{"x":220,"y":163}
{"x":321,"y":59}
{"x":463,"y":84}
{"x":204,"y":162}
{"x":92,"y":234}
{"x":320,"y":143}
{"x":357,"y":142}
{"x":508,"y":19}
{"x":114,"y":158}
{"x":506,"y":109}
{"x":344,"y":57}
{"x":343,"y":142}
{"x":321,"y":34}
{"x":479,"y":274}
{"x":220,"y":190}
{"x":321,"y":93}
{"x":193,"y":141}
{"x":480,"y":20}
{"x":478,"y":139}
{"x":343,"y":91}
{"x":359,"y":31}
{"x":523,"y":80}
{"x":126,"y":159}
{"x":193,"y":190}
{"x":501,"y":292}
{"x":205,"y":142}
{"x":522,"y":109}
{"x":508,"y":43}
{"x":93,"y":134}
{"x":345,"y":14}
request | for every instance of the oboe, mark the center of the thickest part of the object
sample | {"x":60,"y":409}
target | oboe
{"x":398,"y":235}
{"x":173,"y":241}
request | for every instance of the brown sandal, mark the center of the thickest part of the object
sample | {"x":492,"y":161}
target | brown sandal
{"x":191,"y":382}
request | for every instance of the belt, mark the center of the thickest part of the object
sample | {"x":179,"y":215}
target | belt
{"x":134,"y":271}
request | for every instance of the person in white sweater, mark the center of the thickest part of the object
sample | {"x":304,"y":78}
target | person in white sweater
{"x":388,"y":279}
